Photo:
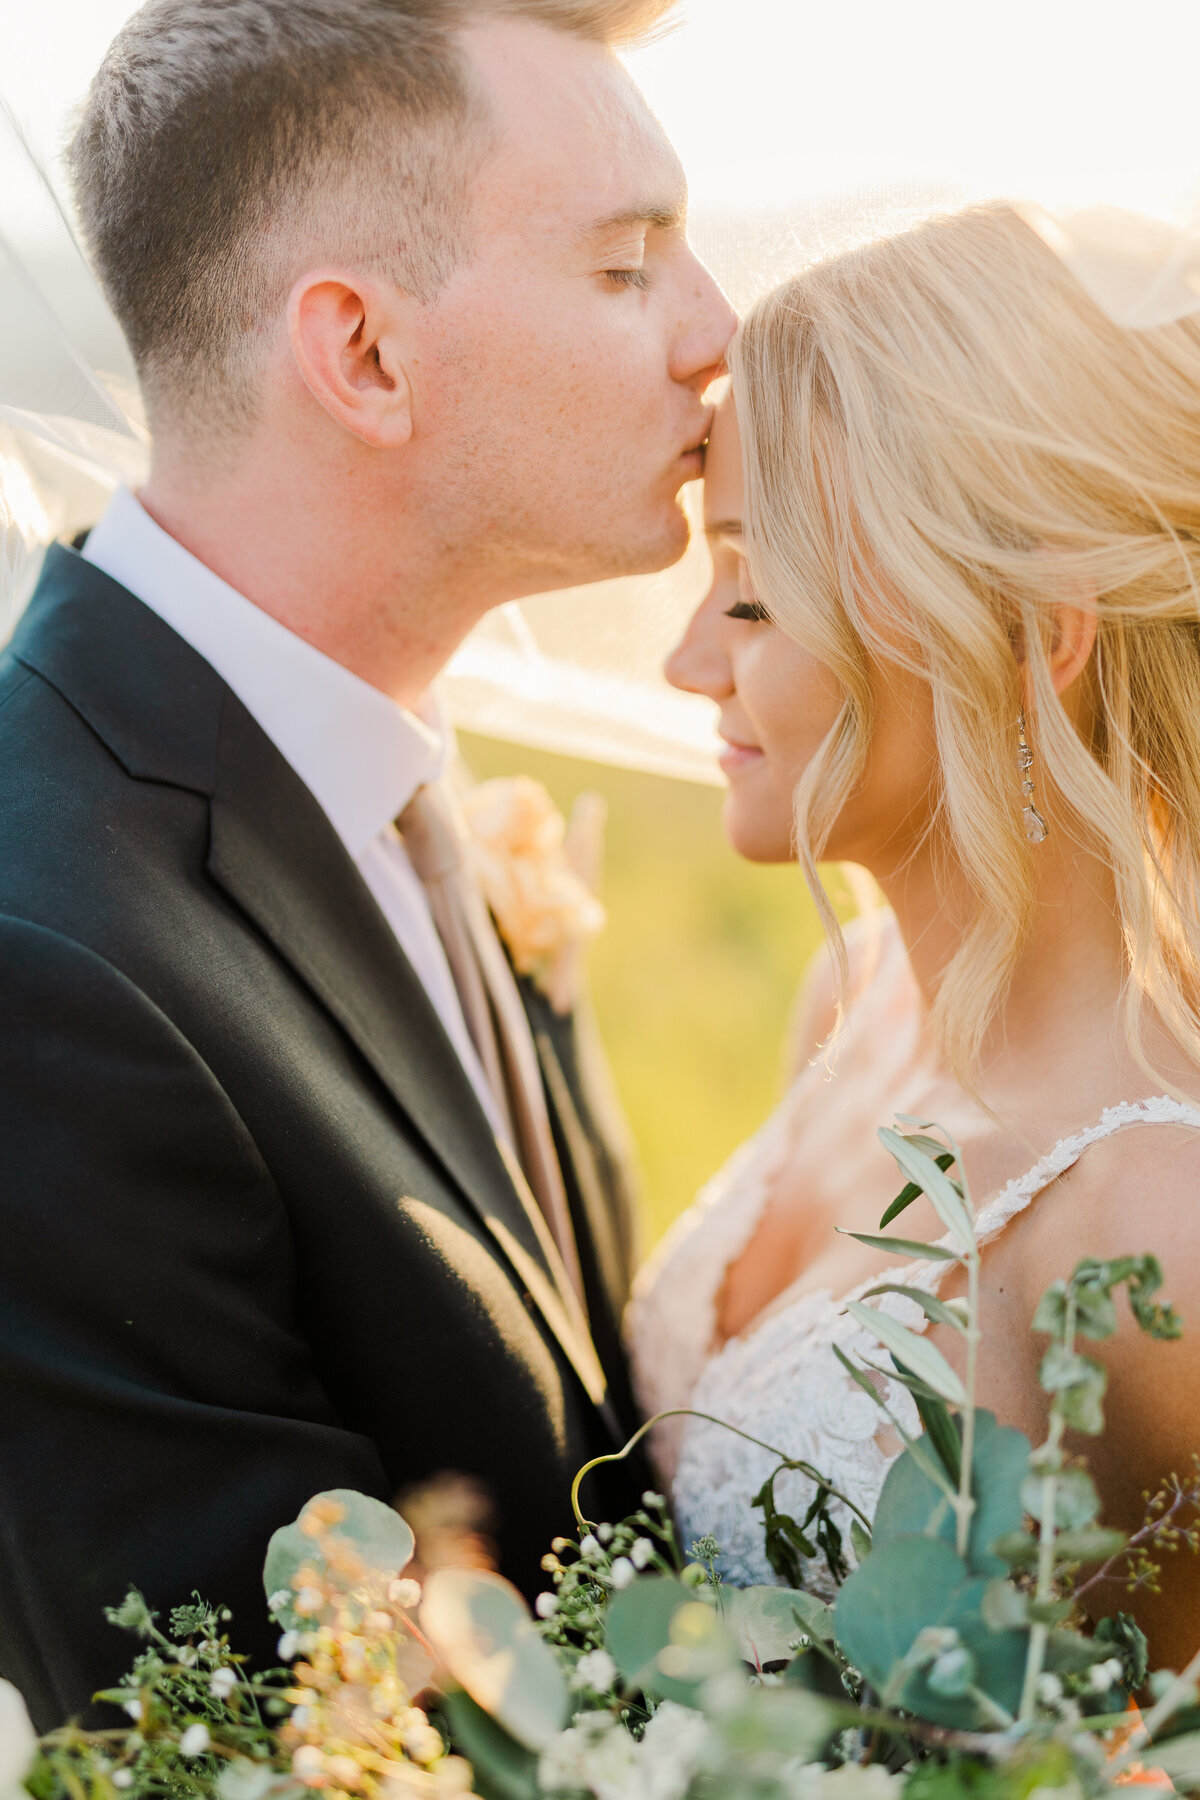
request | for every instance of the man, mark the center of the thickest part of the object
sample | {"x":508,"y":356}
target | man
{"x":293,"y":1195}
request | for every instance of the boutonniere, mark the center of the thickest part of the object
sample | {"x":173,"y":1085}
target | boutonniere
{"x":538,"y":878}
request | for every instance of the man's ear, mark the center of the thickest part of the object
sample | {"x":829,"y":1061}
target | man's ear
{"x":350,"y":341}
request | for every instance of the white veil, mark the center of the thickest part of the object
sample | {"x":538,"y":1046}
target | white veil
{"x":576,"y":672}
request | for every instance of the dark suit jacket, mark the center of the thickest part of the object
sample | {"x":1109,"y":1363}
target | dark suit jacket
{"x":256,"y":1238}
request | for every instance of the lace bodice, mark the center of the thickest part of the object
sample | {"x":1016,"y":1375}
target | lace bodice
{"x":780,"y":1382}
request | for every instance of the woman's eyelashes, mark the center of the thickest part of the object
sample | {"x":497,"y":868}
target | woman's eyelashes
{"x":751,"y":610}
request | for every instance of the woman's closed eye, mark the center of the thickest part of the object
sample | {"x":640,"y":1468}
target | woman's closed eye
{"x":750,"y":610}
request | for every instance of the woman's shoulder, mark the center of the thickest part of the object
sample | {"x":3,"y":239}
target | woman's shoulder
{"x":1132,"y":1187}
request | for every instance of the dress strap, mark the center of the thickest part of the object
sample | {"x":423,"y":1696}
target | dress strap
{"x":1017,"y":1194}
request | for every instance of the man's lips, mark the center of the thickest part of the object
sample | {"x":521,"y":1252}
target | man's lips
{"x":694,"y":452}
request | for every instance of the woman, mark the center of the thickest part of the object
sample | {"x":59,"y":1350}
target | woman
{"x":964,"y":653}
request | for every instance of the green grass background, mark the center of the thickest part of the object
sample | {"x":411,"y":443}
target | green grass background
{"x":696,"y":974}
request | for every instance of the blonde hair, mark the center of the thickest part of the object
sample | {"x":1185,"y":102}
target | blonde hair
{"x":944,"y":438}
{"x":220,"y":144}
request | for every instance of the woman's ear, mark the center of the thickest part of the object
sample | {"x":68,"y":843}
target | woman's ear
{"x":349,"y":338}
{"x":1072,"y":639}
{"x":1073,"y":622}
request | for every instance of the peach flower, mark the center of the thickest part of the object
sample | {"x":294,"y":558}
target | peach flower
{"x":530,"y":870}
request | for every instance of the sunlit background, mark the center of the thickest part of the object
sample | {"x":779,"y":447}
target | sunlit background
{"x":803,"y":127}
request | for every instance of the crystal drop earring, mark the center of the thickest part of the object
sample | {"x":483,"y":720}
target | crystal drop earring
{"x":1036,"y":829}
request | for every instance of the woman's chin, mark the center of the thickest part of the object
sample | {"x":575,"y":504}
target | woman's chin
{"x":755,"y":837}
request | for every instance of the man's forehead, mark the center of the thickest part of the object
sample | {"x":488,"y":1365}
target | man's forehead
{"x":574,"y":133}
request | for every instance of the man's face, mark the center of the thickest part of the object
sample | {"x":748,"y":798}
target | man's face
{"x":563,"y":366}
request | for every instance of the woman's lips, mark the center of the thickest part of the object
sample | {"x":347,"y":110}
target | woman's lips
{"x":735,"y":757}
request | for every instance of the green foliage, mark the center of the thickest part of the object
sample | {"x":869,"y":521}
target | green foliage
{"x":190,"y":1707}
{"x":921,"y":1159}
{"x":667,"y":1643}
{"x":924,"y":1359}
{"x":772,"y":1624}
{"x":789,"y":1543}
{"x":504,"y":1769}
{"x":911,"y":1618}
{"x":1120,"y":1633}
{"x":377,"y":1532}
{"x":913,"y":1190}
{"x":1035,"y":1768}
{"x":484,"y":1637}
{"x":910,"y":1503}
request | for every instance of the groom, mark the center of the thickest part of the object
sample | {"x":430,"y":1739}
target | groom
{"x":297,"y":1190}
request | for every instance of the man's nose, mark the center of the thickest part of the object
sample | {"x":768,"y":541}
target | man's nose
{"x":707,"y":324}
{"x":698,"y":663}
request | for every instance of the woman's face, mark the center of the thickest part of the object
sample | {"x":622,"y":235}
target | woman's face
{"x":778,"y":703}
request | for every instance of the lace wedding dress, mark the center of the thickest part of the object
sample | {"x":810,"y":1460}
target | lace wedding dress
{"x":780,"y":1382}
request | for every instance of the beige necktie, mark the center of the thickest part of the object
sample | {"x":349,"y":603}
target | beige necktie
{"x":434,"y":838}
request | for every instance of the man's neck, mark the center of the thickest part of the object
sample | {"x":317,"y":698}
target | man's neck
{"x":373,"y":595}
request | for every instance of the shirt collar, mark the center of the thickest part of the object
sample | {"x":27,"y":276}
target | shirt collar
{"x":362,"y":756}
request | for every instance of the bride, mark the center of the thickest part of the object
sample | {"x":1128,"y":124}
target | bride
{"x":954,"y":634}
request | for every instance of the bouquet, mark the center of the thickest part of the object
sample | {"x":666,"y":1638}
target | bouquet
{"x":955,"y":1661}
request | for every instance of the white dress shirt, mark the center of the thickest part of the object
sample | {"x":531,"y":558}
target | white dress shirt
{"x":360,"y":755}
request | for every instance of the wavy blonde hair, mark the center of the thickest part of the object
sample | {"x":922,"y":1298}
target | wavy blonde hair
{"x":944,"y":438}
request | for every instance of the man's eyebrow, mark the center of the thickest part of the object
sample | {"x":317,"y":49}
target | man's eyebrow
{"x":658,"y":218}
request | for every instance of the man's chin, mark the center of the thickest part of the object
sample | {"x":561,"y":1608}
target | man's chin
{"x":612,"y":557}
{"x":657,"y":550}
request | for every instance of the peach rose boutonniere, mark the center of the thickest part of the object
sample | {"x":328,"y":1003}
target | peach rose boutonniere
{"x":538,"y":878}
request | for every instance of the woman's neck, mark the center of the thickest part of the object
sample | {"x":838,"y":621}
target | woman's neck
{"x":1069,"y":976}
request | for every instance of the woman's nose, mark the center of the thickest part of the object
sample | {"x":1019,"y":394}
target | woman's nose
{"x":698,"y":664}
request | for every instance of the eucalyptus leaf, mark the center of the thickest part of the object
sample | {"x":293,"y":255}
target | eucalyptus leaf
{"x":775,"y":1723}
{"x":767,"y":1621}
{"x":1078,"y":1384}
{"x":1095,"y":1311}
{"x":931,"y":1306}
{"x":481,"y":1630}
{"x":1019,"y":1549}
{"x":1179,"y":1757}
{"x":1070,"y":1653}
{"x":1051,"y":1314}
{"x":910,"y":1502}
{"x":944,"y":1197}
{"x":1004,"y":1607}
{"x":504,"y":1769}
{"x":376,"y":1531}
{"x":1050,"y":1612}
{"x":1091,"y":1543}
{"x":923,"y":1358}
{"x":667,"y":1643}
{"x":904,"y":1588}
{"x":953,"y":1672}
{"x":860,"y":1540}
{"x":895,"y":1246}
{"x":1076,"y":1501}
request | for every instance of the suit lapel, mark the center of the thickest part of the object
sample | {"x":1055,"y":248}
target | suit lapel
{"x":167,"y":716}
{"x":275,"y":853}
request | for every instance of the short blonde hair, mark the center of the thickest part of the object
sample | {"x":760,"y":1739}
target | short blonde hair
{"x":221,"y":139}
{"x":943,"y":437}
